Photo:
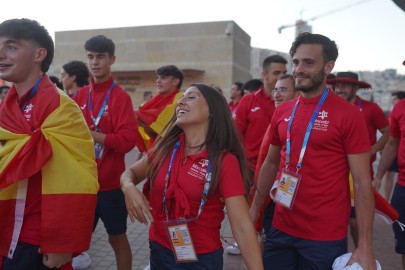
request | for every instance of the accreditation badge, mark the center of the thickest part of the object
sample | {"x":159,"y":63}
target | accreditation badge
{"x":287,"y":188}
{"x":180,"y":238}
{"x":98,"y":150}
{"x":273,"y":190}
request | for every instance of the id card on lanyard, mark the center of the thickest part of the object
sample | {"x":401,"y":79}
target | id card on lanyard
{"x":287,"y":188}
{"x":289,"y":181}
{"x":98,"y":147}
{"x":180,"y":238}
{"x":177,"y":230}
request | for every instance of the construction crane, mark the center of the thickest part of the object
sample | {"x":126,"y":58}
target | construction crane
{"x":302,"y":25}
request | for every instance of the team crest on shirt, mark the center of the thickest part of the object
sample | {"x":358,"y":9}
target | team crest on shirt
{"x":28,"y":111}
{"x":105,"y":113}
{"x":29,"y":108}
{"x":204,"y":163}
{"x":199,"y":169}
{"x":323,"y":114}
{"x":321,"y":122}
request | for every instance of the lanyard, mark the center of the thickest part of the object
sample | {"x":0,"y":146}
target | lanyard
{"x":359,"y":104}
{"x":33,"y":93}
{"x":307,"y":133}
{"x":204,"y":195}
{"x":100,"y":113}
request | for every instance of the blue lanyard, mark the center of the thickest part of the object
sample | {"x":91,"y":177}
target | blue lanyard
{"x":33,"y":93}
{"x":359,"y":104}
{"x":100,"y":113}
{"x":307,"y":133}
{"x":207,"y":184}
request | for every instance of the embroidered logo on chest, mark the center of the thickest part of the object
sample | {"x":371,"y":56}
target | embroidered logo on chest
{"x":199,"y":169}
{"x":105,"y":113}
{"x":28,"y":111}
{"x":321,"y":122}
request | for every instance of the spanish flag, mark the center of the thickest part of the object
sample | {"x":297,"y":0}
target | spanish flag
{"x":61,"y":148}
{"x":155,"y":114}
{"x":382,"y":207}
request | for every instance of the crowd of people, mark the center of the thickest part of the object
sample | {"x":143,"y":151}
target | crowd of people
{"x":290,"y":158}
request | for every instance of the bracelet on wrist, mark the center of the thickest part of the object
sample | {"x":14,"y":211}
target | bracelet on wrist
{"x":125,"y":180}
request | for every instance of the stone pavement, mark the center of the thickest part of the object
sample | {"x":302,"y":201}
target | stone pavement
{"x":103,"y":257}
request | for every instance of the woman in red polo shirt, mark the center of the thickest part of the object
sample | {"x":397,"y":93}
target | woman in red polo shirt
{"x":196,"y":169}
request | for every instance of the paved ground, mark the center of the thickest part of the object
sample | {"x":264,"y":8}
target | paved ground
{"x":103,"y":256}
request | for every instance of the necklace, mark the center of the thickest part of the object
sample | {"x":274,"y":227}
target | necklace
{"x":193,"y":147}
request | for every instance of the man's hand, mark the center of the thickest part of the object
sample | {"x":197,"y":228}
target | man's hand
{"x":376,"y":183}
{"x":57,"y":260}
{"x":364,"y":257}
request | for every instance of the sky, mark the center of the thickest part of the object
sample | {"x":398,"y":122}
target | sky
{"x":369,"y":33}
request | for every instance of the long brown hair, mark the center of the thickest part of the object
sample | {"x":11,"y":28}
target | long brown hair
{"x":221,"y":138}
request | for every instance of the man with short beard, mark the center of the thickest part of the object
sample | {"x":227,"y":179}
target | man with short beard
{"x":315,"y":142}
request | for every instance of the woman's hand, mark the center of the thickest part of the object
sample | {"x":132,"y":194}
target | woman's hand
{"x":137,"y":204}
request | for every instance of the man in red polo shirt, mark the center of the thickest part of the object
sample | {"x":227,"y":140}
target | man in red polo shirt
{"x":315,"y":142}
{"x":347,"y":85}
{"x":254,"y":114}
{"x":255,"y":110}
{"x":236,"y":95}
{"x":394,"y":146}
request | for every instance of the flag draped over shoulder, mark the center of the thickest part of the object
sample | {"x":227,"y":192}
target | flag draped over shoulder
{"x":155,"y":114}
{"x":61,"y":148}
{"x":381,"y":205}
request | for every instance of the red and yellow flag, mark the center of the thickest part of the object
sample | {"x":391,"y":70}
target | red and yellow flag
{"x":61,"y":148}
{"x":155,"y":114}
{"x":381,"y":205}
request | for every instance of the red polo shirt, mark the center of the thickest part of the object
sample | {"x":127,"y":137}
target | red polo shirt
{"x":252,"y":118}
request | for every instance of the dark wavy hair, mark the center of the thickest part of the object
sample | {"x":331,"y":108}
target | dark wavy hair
{"x":78,"y":69}
{"x":221,"y":138}
{"x":330,"y":50}
{"x":30,"y":30}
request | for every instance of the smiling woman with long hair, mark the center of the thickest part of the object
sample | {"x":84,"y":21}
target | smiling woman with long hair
{"x":195,"y":169}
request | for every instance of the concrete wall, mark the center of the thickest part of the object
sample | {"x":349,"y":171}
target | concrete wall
{"x":257,"y":57}
{"x":211,"y":52}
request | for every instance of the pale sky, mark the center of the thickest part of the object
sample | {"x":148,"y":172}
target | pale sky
{"x":370,"y":35}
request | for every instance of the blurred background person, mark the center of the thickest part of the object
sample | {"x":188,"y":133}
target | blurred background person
{"x":236,"y":94}
{"x":56,"y":82}
{"x":393,"y":169}
{"x":3,"y":91}
{"x":252,"y":86}
{"x":330,"y":83}
{"x":74,"y":75}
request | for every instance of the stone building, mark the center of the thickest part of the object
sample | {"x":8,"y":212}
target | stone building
{"x":210,"y":52}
